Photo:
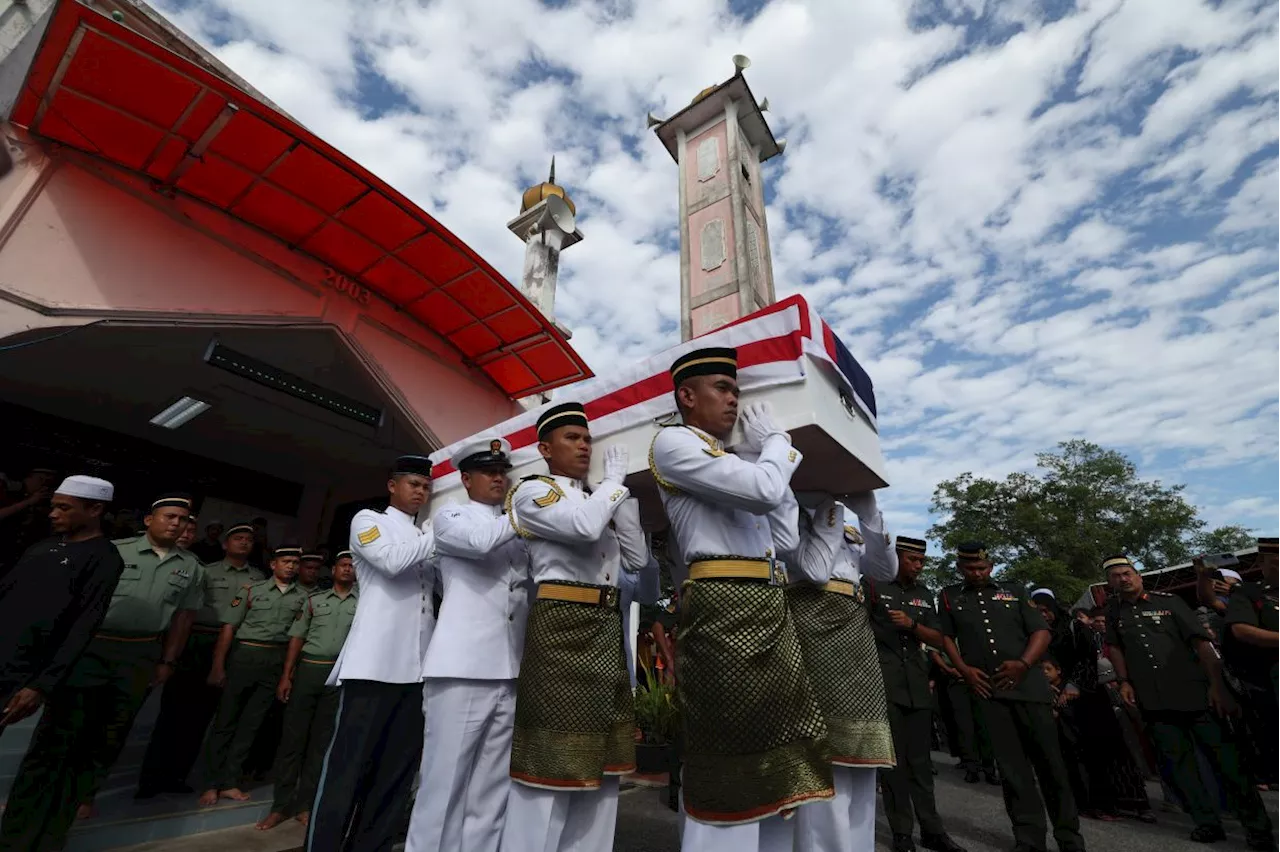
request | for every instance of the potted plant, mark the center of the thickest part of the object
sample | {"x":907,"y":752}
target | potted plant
{"x":656,"y":719}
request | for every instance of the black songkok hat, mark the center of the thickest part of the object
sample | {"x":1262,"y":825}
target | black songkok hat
{"x":173,"y":498}
{"x":911,"y":545}
{"x":972,"y":551}
{"x":1115,"y":562}
{"x":421,"y":465}
{"x":564,"y":414}
{"x":312,"y":556}
{"x":238,"y":527}
{"x":287,"y":550}
{"x":712,"y":361}
{"x":1269,"y":545}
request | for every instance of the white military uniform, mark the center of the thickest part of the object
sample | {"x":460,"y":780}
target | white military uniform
{"x":378,"y":729}
{"x":571,"y":541}
{"x":394,"y":622}
{"x":847,"y":823}
{"x":728,"y":505}
{"x":470,"y":692}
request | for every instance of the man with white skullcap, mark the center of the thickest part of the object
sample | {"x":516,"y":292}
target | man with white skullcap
{"x":473,"y":661}
{"x":51,"y":604}
{"x":55,"y":597}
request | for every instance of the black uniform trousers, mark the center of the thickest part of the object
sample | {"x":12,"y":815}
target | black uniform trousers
{"x":78,"y":739}
{"x":253,"y":672}
{"x":363,"y":799}
{"x":187,"y":706}
{"x":972,"y":734}
{"x":308,"y":729}
{"x":910,"y":782}
{"x":1176,"y":734}
{"x":1025,"y":739}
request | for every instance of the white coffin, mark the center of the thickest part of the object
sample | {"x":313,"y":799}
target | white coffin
{"x":787,"y":356}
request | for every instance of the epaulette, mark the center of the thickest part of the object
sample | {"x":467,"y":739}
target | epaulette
{"x":553,"y":496}
{"x":711,"y":449}
{"x":852,"y":535}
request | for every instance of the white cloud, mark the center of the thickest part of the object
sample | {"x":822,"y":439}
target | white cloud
{"x":1027,"y":229}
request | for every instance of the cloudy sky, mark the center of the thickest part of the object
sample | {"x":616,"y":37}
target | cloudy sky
{"x":1031,"y":220}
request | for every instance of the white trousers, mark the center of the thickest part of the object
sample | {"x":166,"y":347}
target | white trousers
{"x":560,"y":821}
{"x":466,"y":760}
{"x":846,"y":823}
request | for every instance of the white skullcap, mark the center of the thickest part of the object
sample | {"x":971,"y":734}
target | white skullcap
{"x":1048,"y":592}
{"x":87,"y":488}
{"x":1227,"y":572}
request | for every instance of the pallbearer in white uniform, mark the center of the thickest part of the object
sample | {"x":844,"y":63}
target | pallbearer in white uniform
{"x":473,"y":662}
{"x":368,"y":771}
{"x":754,"y":738}
{"x":574,"y":723}
{"x":828,"y":600}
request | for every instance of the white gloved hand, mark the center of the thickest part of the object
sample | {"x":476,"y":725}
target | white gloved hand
{"x":758,"y":424}
{"x":616,"y":459}
{"x":863,"y":504}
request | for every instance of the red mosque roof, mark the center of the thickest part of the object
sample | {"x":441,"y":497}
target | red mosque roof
{"x":100,"y":87}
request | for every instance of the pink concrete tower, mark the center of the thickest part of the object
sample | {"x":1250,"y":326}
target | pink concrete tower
{"x":718,"y":142}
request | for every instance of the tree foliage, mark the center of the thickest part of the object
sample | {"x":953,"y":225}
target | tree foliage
{"x":1223,"y":540}
{"x":1055,"y":526}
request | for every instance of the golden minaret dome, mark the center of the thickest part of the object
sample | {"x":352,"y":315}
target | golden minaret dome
{"x":537,"y":193}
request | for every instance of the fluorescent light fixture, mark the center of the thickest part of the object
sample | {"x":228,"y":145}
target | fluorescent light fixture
{"x":180,"y":412}
{"x":262,"y":373}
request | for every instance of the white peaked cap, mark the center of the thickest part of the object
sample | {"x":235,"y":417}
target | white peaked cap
{"x":87,"y":488}
{"x":1228,"y":572}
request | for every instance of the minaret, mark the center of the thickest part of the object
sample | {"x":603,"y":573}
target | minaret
{"x":718,"y":142}
{"x":547,"y":225}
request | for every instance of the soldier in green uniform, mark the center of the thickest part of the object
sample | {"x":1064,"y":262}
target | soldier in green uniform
{"x":1166,"y":666}
{"x":188,"y":701}
{"x":310,"y":706}
{"x":309,"y":571}
{"x":902,"y":618}
{"x":1002,"y":637}
{"x":88,"y":718}
{"x":1249,"y":652}
{"x":247,"y":663}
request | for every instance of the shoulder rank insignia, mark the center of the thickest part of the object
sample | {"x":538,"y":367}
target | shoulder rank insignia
{"x":791,"y":455}
{"x":851,"y":533}
{"x":369,"y":536}
{"x":552,"y":496}
{"x":714,"y":452}
{"x":831,"y":517}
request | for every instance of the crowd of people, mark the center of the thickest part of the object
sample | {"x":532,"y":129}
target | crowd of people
{"x":811,"y":664}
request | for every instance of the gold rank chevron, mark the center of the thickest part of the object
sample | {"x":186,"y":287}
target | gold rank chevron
{"x":369,"y":536}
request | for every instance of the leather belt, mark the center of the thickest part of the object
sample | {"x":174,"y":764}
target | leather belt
{"x":606,"y":596}
{"x":316,"y":662}
{"x":116,"y":637}
{"x":732,"y":568}
{"x":253,"y":644}
{"x":840,"y":587}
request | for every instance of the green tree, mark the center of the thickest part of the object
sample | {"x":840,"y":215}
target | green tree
{"x":1223,"y":540}
{"x":1055,"y":526}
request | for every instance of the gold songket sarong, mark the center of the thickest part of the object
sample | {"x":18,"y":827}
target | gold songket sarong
{"x":844,"y":670}
{"x":754,"y":739}
{"x":574,"y":708}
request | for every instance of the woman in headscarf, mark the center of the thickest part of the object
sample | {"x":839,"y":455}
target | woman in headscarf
{"x":1114,"y":784}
